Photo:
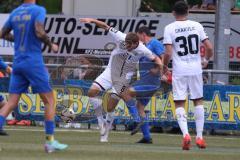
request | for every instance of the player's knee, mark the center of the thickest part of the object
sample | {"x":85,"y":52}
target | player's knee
{"x":198,"y":101}
{"x":11,"y":105}
{"x":48,"y":99}
{"x":113,"y":101}
{"x":92,"y":92}
{"x":128,"y":94}
{"x":110,"y":109}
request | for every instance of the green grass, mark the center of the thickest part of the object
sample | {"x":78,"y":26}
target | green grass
{"x":27,"y":144}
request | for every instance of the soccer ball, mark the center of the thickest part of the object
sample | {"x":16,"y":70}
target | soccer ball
{"x":68,"y":115}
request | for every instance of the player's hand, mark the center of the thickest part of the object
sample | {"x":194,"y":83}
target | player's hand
{"x":86,"y":20}
{"x":54,"y":48}
{"x":204,"y":63}
{"x":167,"y":77}
{"x":155,"y":71}
{"x":165,"y":69}
{"x":9,"y":69}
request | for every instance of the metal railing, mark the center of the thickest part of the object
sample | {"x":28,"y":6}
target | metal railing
{"x":56,"y":70}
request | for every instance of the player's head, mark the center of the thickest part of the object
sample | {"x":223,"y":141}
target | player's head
{"x":131,"y":41}
{"x":30,"y":1}
{"x":144,"y":34}
{"x":180,"y":9}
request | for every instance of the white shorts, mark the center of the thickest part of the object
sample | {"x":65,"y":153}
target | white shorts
{"x":119,"y":88}
{"x":184,"y":85}
{"x":103,"y":81}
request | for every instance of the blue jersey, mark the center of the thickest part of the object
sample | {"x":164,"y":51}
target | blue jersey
{"x":28,"y":65}
{"x":3,"y":65}
{"x":144,"y":63}
{"x":26,"y":44}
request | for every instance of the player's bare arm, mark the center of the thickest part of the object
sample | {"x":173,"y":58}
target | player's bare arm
{"x":209,"y":52}
{"x":42,"y":35}
{"x":5,"y":34}
{"x":100,"y":24}
{"x":159,"y":63}
{"x":167,"y":56}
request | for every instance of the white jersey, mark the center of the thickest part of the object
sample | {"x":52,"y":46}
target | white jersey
{"x":122,"y":63}
{"x":185,"y":37}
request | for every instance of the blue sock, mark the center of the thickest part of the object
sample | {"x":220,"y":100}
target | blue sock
{"x":133,"y":110}
{"x":49,"y":127}
{"x":145,"y":128}
{"x":2,"y":122}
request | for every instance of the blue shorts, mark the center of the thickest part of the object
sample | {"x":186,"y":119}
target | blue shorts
{"x":22,"y":77}
{"x":1,"y":98}
{"x":146,"y":87}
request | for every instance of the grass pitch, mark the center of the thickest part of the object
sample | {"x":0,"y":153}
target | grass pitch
{"x":26,"y":143}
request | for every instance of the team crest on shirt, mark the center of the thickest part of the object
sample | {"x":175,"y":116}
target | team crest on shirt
{"x":122,"y":45}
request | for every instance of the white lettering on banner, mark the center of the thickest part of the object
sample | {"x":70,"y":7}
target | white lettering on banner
{"x":75,"y":38}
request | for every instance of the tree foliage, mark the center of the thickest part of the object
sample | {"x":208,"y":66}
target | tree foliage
{"x":7,"y":6}
{"x":52,"y":6}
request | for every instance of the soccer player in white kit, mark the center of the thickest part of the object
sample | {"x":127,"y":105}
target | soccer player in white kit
{"x":182,"y":43}
{"x":118,"y":74}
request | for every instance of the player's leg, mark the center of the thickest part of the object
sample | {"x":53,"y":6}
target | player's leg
{"x":128,"y":95}
{"x":196,"y":94}
{"x":199,"y":120}
{"x":49,"y":102}
{"x":145,"y":127}
{"x":144,"y":89}
{"x":102,"y":83}
{"x":144,"y":95}
{"x":7,"y":108}
{"x":39,"y":80}
{"x":112,"y":103}
{"x":2,"y":103}
{"x":96,"y":102}
{"x":18,"y":84}
{"x":180,"y":92}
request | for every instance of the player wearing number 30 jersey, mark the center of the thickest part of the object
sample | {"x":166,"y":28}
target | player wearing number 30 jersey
{"x":182,"y":40}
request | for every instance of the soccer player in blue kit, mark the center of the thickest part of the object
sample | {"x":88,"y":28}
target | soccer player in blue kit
{"x":149,"y":83}
{"x":8,"y":70}
{"x":27,"y":23}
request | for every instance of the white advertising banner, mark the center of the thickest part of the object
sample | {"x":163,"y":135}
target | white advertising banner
{"x":75,"y":38}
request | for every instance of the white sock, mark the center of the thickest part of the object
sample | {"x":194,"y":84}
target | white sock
{"x":182,"y":120}
{"x":100,"y":120}
{"x":97,"y":106}
{"x":110,"y":117}
{"x":199,"y":120}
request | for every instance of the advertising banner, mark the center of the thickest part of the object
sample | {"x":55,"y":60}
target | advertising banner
{"x":75,"y":38}
{"x":221,"y":103}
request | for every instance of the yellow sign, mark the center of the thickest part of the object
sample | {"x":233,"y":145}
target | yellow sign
{"x":159,"y":108}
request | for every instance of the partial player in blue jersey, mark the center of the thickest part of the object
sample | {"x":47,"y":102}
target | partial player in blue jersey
{"x":27,"y":23}
{"x":149,"y":82}
{"x":7,"y":69}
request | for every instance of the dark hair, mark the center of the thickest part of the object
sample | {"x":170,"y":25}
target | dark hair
{"x":144,"y":29}
{"x":180,"y":8}
{"x":132,"y":38}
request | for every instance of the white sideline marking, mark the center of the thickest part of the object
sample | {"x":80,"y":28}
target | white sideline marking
{"x":77,"y":130}
{"x":97,"y":131}
{"x":42,"y":130}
